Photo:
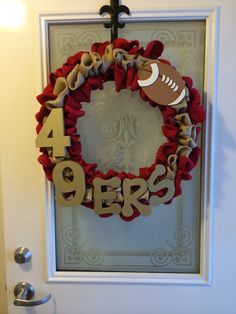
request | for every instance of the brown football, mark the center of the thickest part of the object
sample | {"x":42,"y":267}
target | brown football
{"x":161,"y":83}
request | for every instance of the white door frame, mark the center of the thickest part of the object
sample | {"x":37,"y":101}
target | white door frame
{"x":211,"y":15}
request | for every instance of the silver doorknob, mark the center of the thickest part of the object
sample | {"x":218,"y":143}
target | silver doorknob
{"x":24,"y":293}
{"x":22,"y":255}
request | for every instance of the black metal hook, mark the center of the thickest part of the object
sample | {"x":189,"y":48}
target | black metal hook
{"x":114,"y":9}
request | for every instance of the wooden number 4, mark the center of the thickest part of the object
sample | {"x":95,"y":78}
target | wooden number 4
{"x":52,"y":133}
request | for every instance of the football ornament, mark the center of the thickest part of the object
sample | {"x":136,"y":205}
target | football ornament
{"x":161,"y":83}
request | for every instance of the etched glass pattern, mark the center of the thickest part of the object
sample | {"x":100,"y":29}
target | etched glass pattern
{"x":169,"y":239}
{"x":122,"y":132}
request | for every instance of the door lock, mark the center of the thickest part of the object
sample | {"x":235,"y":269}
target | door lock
{"x":24,"y":293}
{"x":22,"y":255}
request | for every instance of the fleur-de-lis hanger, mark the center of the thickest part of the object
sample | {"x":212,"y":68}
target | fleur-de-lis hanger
{"x":114,"y":9}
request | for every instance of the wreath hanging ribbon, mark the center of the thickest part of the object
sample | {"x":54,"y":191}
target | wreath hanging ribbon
{"x":72,"y":84}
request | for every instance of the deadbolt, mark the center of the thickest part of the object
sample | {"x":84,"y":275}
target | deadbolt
{"x":22,"y":255}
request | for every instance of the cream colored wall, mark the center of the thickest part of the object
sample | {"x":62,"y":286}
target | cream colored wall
{"x":3,"y":295}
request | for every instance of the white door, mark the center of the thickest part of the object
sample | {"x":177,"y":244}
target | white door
{"x":29,"y":218}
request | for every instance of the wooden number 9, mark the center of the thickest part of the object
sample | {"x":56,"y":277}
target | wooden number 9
{"x":68,"y":177}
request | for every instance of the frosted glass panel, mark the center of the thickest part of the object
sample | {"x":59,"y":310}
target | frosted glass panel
{"x":66,"y":40}
{"x":167,"y":240}
{"x":121,"y":136}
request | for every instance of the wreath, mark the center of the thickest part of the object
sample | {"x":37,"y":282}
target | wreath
{"x":61,"y":155}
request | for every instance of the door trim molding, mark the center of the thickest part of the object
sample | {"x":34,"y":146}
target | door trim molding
{"x":211,"y":15}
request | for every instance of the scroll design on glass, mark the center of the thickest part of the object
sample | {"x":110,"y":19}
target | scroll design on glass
{"x":177,"y":252}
